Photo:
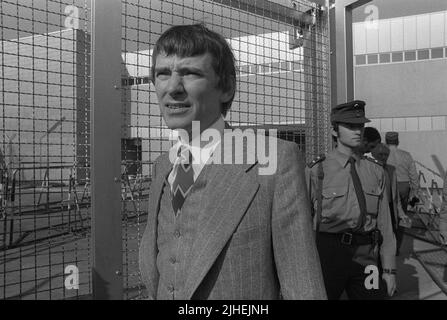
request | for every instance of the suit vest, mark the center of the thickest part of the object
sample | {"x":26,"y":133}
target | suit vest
{"x":176,"y":235}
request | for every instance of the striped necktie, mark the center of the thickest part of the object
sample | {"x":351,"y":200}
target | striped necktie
{"x":359,"y":192}
{"x":183,"y":181}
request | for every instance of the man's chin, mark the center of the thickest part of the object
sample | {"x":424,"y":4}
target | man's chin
{"x":179,"y":126}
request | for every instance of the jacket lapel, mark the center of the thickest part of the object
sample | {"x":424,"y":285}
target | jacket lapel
{"x":163,"y":169}
{"x":233,"y":190}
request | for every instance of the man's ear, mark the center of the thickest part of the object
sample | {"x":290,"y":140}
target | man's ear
{"x":227,"y":95}
{"x":334,"y":132}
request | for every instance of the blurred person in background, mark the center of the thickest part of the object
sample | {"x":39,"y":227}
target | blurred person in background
{"x":381,"y":153}
{"x":407,"y":176}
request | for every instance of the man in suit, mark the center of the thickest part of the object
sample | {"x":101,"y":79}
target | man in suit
{"x":218,"y":230}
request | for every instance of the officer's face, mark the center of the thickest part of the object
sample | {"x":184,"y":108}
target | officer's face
{"x":350,"y":134}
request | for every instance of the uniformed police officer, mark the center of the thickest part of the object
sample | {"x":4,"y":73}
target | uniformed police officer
{"x":351,"y":213}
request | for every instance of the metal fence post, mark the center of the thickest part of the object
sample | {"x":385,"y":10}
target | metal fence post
{"x":107,"y":261}
{"x":342,"y":66}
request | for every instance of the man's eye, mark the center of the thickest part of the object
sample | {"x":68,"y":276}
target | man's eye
{"x":192,"y":73}
{"x":162,"y":73}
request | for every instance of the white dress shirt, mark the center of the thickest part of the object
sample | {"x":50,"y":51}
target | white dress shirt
{"x":200,"y":155}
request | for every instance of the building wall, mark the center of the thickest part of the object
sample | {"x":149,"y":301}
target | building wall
{"x":44,"y":106}
{"x":401,"y":73}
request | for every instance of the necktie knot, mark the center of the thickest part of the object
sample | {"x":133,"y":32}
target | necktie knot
{"x":184,"y":179}
{"x":351,"y":160}
{"x":184,"y":155}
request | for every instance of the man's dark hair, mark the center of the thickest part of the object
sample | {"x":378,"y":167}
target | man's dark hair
{"x":371,"y":134}
{"x":195,"y":40}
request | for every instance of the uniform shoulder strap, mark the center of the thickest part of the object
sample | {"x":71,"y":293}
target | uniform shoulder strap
{"x":318,"y":159}
{"x":373,"y":161}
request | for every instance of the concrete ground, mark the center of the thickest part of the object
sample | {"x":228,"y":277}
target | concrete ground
{"x":414,"y":282}
{"x":36,"y":270}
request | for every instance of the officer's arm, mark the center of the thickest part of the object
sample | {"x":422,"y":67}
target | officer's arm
{"x":384,"y":223}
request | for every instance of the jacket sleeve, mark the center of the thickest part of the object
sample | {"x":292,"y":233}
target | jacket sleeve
{"x":296,"y":257}
{"x":147,"y":250}
{"x":384,"y":224}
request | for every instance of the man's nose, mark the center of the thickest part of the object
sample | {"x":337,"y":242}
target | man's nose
{"x":175,"y":85}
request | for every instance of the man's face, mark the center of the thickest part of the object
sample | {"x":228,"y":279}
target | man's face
{"x":382,"y":156}
{"x":187,"y":91}
{"x":368,"y":146}
{"x":350,"y":134}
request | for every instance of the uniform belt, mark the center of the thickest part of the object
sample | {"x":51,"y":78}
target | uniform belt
{"x":352,"y":239}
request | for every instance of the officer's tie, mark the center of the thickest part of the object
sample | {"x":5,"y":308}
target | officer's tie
{"x":184,"y":179}
{"x":359,"y":192}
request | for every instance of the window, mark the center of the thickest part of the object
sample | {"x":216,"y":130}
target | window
{"x":423,"y":54}
{"x":437,"y":53}
{"x":397,"y":56}
{"x":372,"y":59}
{"x":410,"y":55}
{"x":384,"y":57}
{"x":359,"y":60}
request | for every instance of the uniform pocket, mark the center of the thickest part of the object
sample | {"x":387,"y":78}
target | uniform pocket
{"x":333,"y":198}
{"x":334,"y":192}
{"x":372,"y":195}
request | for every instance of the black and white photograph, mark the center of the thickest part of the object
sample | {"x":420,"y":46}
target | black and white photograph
{"x":238,"y":151}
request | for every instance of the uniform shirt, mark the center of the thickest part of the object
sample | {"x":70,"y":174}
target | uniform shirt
{"x":405,"y":167}
{"x":341,"y":210}
{"x":201,"y":153}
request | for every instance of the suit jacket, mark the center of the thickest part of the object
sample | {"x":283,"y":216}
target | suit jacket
{"x":258,"y":241}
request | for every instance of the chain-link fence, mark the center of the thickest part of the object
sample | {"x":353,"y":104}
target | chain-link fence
{"x":44,"y":148}
{"x":282,"y":52}
{"x":282,"y":83}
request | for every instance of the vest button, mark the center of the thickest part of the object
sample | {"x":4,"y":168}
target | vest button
{"x":177,"y":234}
{"x":173,"y":260}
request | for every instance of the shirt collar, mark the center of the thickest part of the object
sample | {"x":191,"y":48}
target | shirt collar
{"x":206,"y":148}
{"x":343,"y":158}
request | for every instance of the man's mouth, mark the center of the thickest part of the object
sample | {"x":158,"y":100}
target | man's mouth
{"x":177,"y":105}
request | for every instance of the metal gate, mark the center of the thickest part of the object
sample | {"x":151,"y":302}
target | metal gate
{"x":281,"y":48}
{"x":44,"y":149}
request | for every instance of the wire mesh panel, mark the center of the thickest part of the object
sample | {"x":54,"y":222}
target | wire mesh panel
{"x":44,"y":149}
{"x":281,"y":49}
